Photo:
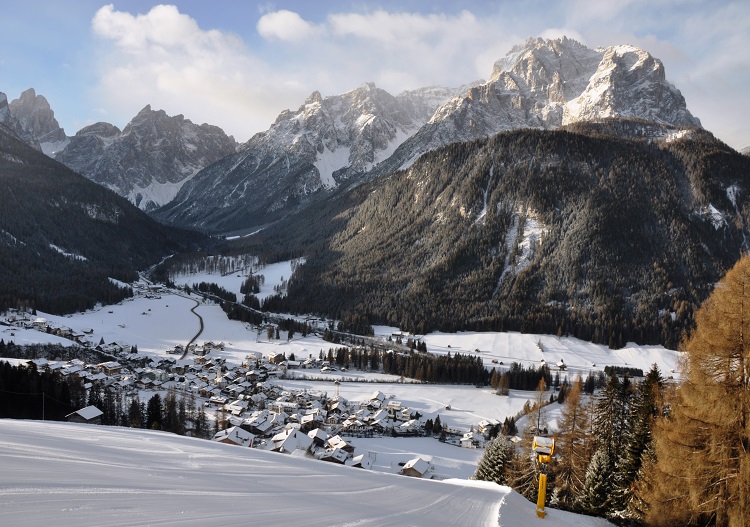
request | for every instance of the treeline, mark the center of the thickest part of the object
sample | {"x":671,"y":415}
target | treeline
{"x":26,"y":393}
{"x":622,"y":253}
{"x":518,"y":377}
{"x":174,"y":412}
{"x":424,"y":367}
{"x":215,"y":290}
{"x":623,"y":370}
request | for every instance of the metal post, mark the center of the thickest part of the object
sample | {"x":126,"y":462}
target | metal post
{"x":542,"y":496}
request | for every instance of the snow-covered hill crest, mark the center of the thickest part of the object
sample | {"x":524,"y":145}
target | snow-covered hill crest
{"x":73,"y":474}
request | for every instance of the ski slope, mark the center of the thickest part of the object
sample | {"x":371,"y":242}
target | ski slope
{"x":72,"y":475}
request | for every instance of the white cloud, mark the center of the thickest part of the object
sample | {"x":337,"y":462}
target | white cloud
{"x":165,"y":59}
{"x":286,"y":25}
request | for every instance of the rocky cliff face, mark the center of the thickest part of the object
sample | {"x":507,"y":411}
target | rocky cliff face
{"x":546,"y":84}
{"x":150,"y":159}
{"x":325,"y":144}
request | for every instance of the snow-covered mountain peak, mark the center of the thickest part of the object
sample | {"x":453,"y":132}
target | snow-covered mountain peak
{"x":150,"y":159}
{"x":629,"y":82}
{"x":542,"y":57}
{"x":314,"y":98}
{"x":549,"y":83}
{"x":34,"y":123}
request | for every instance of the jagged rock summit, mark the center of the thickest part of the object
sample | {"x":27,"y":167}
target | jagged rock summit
{"x":547,"y":84}
{"x":150,"y":159}
{"x":31,"y":119}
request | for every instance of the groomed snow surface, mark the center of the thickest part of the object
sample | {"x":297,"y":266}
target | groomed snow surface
{"x":72,"y":475}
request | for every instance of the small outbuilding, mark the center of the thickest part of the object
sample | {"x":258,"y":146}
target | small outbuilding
{"x":416,"y":468}
{"x":90,"y":414}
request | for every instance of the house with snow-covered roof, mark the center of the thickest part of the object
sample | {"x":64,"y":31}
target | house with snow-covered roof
{"x":290,"y":440}
{"x":333,"y":455}
{"x":416,"y":468}
{"x":234,"y":436}
{"x":363,"y":460}
{"x":90,"y":414}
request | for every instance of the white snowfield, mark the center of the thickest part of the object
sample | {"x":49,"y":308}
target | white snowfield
{"x":67,"y":474}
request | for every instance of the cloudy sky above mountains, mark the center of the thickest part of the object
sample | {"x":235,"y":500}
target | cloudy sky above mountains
{"x":239,"y":64}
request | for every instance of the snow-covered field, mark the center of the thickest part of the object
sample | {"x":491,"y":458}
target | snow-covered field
{"x":68,"y":475}
{"x":274,"y":274}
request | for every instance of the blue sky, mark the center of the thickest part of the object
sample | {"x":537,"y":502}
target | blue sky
{"x":238,"y":64}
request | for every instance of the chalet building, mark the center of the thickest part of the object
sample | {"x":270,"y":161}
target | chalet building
{"x":111,"y":367}
{"x":416,"y":468}
{"x":276,"y":358}
{"x":333,"y":455}
{"x":290,"y":440}
{"x":234,"y":436}
{"x":89,"y":415}
{"x":362,"y":461}
{"x":319,"y":437}
{"x":472,"y":440}
{"x":485,"y":426}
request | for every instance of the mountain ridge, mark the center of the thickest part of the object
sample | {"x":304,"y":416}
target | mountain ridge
{"x":570,"y":232}
{"x":326,"y":144}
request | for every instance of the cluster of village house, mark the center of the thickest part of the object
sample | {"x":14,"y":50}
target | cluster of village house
{"x":257,"y":410}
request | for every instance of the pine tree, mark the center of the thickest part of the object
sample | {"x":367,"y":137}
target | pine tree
{"x":154,"y":412}
{"x":492,"y":465}
{"x":135,"y":413}
{"x":201,"y":424}
{"x":637,"y":444}
{"x":703,"y":445}
{"x":171,"y":422}
{"x":596,"y":490}
{"x":540,"y":418}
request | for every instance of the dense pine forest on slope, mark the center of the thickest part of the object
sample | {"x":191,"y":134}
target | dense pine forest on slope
{"x":62,"y":237}
{"x":585,"y":234}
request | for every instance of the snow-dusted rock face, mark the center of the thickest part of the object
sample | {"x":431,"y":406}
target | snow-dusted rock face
{"x":551,"y":83}
{"x":629,"y":82}
{"x":150,"y":159}
{"x":325,"y":143}
{"x":36,"y":123}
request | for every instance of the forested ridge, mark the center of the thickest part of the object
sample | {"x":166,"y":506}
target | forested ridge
{"x":629,"y":236}
{"x":62,"y":237}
